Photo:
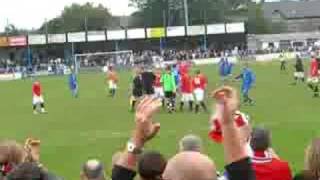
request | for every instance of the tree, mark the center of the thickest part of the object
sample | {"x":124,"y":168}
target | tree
{"x":79,"y":18}
{"x":12,"y":30}
{"x":257,"y":23}
{"x":200,"y":11}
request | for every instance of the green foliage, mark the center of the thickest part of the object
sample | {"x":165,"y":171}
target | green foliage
{"x":12,"y":30}
{"x":257,"y":24}
{"x":200,"y":11}
{"x":79,"y":17}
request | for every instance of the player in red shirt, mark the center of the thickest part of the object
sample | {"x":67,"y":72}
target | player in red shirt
{"x":186,"y":91}
{"x":184,"y":67}
{"x":157,"y":85}
{"x":112,"y":80}
{"x":37,"y":98}
{"x":199,"y":84}
{"x":314,"y":76}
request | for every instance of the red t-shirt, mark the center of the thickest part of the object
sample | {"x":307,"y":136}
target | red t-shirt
{"x":184,"y":67}
{"x":157,"y":81}
{"x":112,"y":76}
{"x":36,"y":89}
{"x":186,"y":83}
{"x":200,"y":81}
{"x":269,"y":168}
{"x":314,"y":68}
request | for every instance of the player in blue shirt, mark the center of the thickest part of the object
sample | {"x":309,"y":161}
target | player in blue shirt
{"x":73,"y":84}
{"x":176,"y":74}
{"x":248,"y":80}
{"x":225,"y":69}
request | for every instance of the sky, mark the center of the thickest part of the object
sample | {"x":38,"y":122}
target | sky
{"x":30,"y":14}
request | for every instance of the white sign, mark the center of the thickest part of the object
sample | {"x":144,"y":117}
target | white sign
{"x":216,"y":29}
{"x":96,"y":36}
{"x":136,"y":33}
{"x":235,"y":28}
{"x":175,"y":31}
{"x":10,"y":77}
{"x":56,"y":38}
{"x":77,"y":37}
{"x":116,"y":34}
{"x":195,"y":30}
{"x":206,"y":61}
{"x":37,"y":39}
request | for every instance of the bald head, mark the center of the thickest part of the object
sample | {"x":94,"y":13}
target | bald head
{"x":191,"y":143}
{"x":190,"y":166}
{"x":93,"y":170}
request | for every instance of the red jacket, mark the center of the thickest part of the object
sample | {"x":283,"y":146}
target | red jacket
{"x":186,"y":84}
{"x":314,"y":68}
{"x":215,"y":133}
{"x":269,"y":168}
{"x":36,"y":89}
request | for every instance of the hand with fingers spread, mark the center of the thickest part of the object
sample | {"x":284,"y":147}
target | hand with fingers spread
{"x":145,"y":128}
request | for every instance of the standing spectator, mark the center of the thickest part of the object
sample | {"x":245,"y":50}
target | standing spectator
{"x":266,"y":163}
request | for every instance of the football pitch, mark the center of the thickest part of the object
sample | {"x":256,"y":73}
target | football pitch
{"x":96,"y":126}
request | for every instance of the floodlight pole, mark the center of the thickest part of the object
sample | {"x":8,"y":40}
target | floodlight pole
{"x":186,"y":12}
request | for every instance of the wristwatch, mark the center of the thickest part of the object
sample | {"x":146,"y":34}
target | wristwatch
{"x":132,"y":148}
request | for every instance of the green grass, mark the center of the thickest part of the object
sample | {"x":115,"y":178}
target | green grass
{"x":95,"y":126}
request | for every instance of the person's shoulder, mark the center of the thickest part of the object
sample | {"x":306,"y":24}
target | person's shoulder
{"x":280,"y":164}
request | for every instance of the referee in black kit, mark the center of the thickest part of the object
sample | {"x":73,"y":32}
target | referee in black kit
{"x":148,"y":79}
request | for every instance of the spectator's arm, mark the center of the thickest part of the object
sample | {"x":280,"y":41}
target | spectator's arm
{"x":144,"y":131}
{"x":227,"y":104}
{"x":239,"y":165}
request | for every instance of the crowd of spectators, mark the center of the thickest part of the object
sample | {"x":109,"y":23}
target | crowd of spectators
{"x":126,"y":59}
{"x":19,"y":162}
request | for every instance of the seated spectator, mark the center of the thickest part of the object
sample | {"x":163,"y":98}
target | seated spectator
{"x":312,"y":162}
{"x":27,"y":171}
{"x":190,"y":143}
{"x":93,"y":170}
{"x":238,"y":162}
{"x":151,"y":165}
{"x":266,"y":163}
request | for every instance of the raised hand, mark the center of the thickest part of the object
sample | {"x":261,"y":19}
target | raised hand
{"x":145,"y":128}
{"x":228,"y":103}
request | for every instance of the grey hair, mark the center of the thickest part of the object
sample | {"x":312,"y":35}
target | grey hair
{"x":191,"y":143}
{"x":94,"y":169}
